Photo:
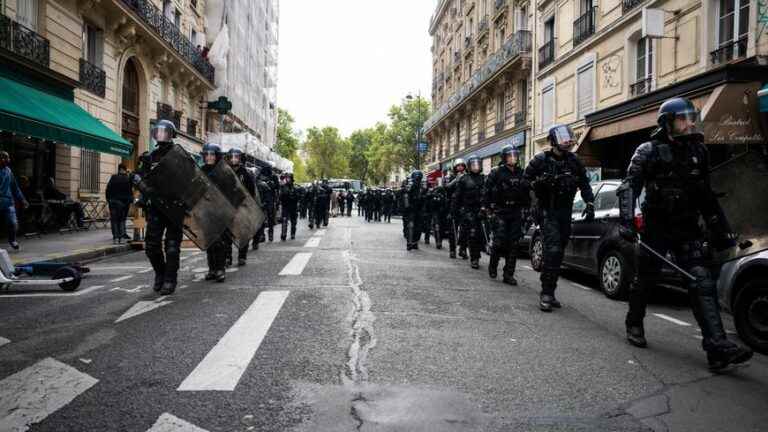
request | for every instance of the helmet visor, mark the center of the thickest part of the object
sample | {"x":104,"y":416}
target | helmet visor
{"x":161,"y":134}
{"x":563,"y":138}
{"x":685,"y":124}
{"x":234,"y":158}
{"x":475,"y":165}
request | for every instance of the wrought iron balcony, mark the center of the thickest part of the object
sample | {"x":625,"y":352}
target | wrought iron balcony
{"x":628,"y":5}
{"x":92,"y":78}
{"x":642,"y":86}
{"x":482,"y":28}
{"x":166,"y":112}
{"x":733,"y":50}
{"x":24,"y":42}
{"x":191,"y":127}
{"x":520,"y":118}
{"x":501,"y":7}
{"x":584,"y":26}
{"x":546,"y":54}
{"x":167,"y":30}
{"x":499,"y":127}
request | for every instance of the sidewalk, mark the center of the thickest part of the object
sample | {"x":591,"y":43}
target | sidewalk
{"x":68,"y":247}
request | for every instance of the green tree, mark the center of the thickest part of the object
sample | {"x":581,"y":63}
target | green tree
{"x":299,"y":170}
{"x":360,"y":140}
{"x":287,"y":139}
{"x":328,"y":153}
{"x":405,"y":121}
{"x":381,"y":155}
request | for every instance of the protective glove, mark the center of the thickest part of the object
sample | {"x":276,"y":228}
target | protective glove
{"x":628,"y":232}
{"x":589,"y":212}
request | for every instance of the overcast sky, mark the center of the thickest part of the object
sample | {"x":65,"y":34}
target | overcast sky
{"x":343,"y":63}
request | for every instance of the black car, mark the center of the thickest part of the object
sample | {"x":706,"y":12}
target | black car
{"x":595,"y":247}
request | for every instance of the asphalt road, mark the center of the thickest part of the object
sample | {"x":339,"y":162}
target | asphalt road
{"x":343,"y":330}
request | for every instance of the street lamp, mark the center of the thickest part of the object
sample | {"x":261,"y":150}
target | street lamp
{"x":418,"y":131}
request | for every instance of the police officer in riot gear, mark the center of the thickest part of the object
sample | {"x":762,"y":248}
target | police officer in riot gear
{"x":322,"y":203}
{"x":507,"y":193}
{"x":164,"y":258}
{"x":235,"y":159}
{"x":289,"y":199}
{"x":268,"y":198}
{"x":413,"y":196}
{"x":216,"y":253}
{"x":556,"y":175}
{"x":458,"y":169}
{"x":674,"y":170}
{"x":467,"y":202}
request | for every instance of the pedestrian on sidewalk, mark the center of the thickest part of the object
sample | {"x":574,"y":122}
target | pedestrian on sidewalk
{"x":10,"y":194}
{"x":119,"y":197}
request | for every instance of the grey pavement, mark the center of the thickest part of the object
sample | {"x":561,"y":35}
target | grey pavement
{"x":355,"y":334}
{"x":68,"y":246}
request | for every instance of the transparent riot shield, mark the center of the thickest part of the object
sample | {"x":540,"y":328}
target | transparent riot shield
{"x":741,"y":181}
{"x":248,"y":214}
{"x":178,"y":188}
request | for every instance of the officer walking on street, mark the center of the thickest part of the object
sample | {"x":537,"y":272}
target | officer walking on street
{"x":674,"y":170}
{"x":413,"y":196}
{"x":268,"y":197}
{"x":289,"y":199}
{"x":556,"y":175}
{"x":506,"y":194}
{"x":164,"y":255}
{"x":459,"y":168}
{"x":216,"y":253}
{"x":235,"y":160}
{"x":467,"y":202}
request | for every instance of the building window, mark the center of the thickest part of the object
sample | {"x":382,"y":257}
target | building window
{"x":732,"y":28}
{"x":93,"y":45}
{"x":643,"y":67}
{"x":585,"y":86}
{"x":547,"y":106}
{"x":89,"y":171}
{"x":26,"y":13}
{"x":457,"y":137}
{"x":522,"y":102}
{"x":500,"y":111}
{"x":177,"y":19}
{"x":168,"y":10}
{"x":522,"y":18}
{"x":500,"y":34}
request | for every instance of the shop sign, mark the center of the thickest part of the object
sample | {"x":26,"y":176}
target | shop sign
{"x":730,"y":116}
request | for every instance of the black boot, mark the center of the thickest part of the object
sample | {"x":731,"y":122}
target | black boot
{"x":545,"y":302}
{"x":463,"y":253}
{"x":475,"y":264}
{"x":555,"y":303}
{"x":220,"y":275}
{"x":724,"y":356}
{"x":158,"y":282}
{"x":493,"y":266}
{"x":211,"y":275}
{"x":636,"y":335}
{"x":452,"y":254}
{"x":241,"y":262}
{"x":510,"y":262}
{"x":509,"y":280}
{"x":168,"y":287}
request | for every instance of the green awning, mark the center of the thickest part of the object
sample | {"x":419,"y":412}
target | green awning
{"x":35,"y":113}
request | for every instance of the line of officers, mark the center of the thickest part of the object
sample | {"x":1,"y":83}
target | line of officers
{"x":163,"y":236}
{"x":474,"y":210}
{"x":377,"y":204}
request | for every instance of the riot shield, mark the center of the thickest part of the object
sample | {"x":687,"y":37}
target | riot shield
{"x":178,"y":188}
{"x":248,"y":214}
{"x":741,"y":182}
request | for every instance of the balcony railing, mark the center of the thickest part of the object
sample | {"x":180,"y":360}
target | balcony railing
{"x":519,"y":118}
{"x":628,"y":5}
{"x":499,"y":127}
{"x":735,"y":49}
{"x":511,"y":50}
{"x":501,"y":7}
{"x":92,"y":78}
{"x":546,"y":54}
{"x":482,"y":28}
{"x":642,"y":86}
{"x":192,"y":127}
{"x":457,"y":58}
{"x":167,"y":30}
{"x":584,"y":26}
{"x":20,"y":40}
{"x":166,"y":112}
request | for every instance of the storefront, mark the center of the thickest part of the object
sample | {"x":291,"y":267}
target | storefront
{"x":727,"y":98}
{"x":490,"y":154}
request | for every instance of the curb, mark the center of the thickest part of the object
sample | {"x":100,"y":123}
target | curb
{"x":80,"y":257}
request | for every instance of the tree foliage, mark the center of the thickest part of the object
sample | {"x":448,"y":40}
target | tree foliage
{"x":328,"y":153}
{"x":287,"y":140}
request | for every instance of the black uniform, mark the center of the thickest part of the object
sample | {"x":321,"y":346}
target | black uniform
{"x":467,"y":200}
{"x":164,"y":260}
{"x":267,"y":195}
{"x":311,"y":197}
{"x":273,"y":182}
{"x":452,"y":218}
{"x":301,"y":192}
{"x":247,"y":180}
{"x":217,"y":251}
{"x":412,"y":207}
{"x":439,"y":209}
{"x":388,"y":205}
{"x":289,"y":200}
{"x":507,"y":193}
{"x":322,"y":204}
{"x":556,"y":180}
{"x":678,"y":192}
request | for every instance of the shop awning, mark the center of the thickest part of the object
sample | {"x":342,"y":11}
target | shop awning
{"x":494,"y":148}
{"x":730,"y":115}
{"x":30,"y":112}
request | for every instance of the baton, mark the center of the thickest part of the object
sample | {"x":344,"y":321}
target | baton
{"x":485,"y":234}
{"x":668,"y":262}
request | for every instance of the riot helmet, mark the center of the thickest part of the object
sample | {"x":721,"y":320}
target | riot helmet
{"x":235,"y":156}
{"x":288,"y":178}
{"x":562,"y":138}
{"x":510,"y":151}
{"x":475,"y":164}
{"x":459,"y":162}
{"x":163,"y":132}
{"x":680,"y":119}
{"x":211,"y":153}
{"x":417,"y":176}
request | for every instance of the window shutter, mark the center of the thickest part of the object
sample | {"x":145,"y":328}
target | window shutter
{"x":98,"y":58}
{"x":547,"y":107}
{"x":586,"y":83}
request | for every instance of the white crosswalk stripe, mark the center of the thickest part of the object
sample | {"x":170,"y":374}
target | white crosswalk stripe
{"x":58,"y":294}
{"x":122,"y":278}
{"x":296,"y":265}
{"x":140,"y":308}
{"x":223,"y":366}
{"x":32,"y":394}
{"x":672,"y":320}
{"x":169,"y":423}
{"x":4,"y":341}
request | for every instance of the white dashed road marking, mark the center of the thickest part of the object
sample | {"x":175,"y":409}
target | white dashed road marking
{"x":313,"y":242}
{"x":672,"y":320}
{"x":146,"y":270}
{"x":122,"y":278}
{"x":32,"y":394}
{"x":4,"y":341}
{"x":168,"y":423}
{"x":61,"y":294}
{"x":581,"y":286}
{"x":140,"y":308}
{"x":223,"y":366}
{"x":320,"y":233}
{"x":296,"y":265}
